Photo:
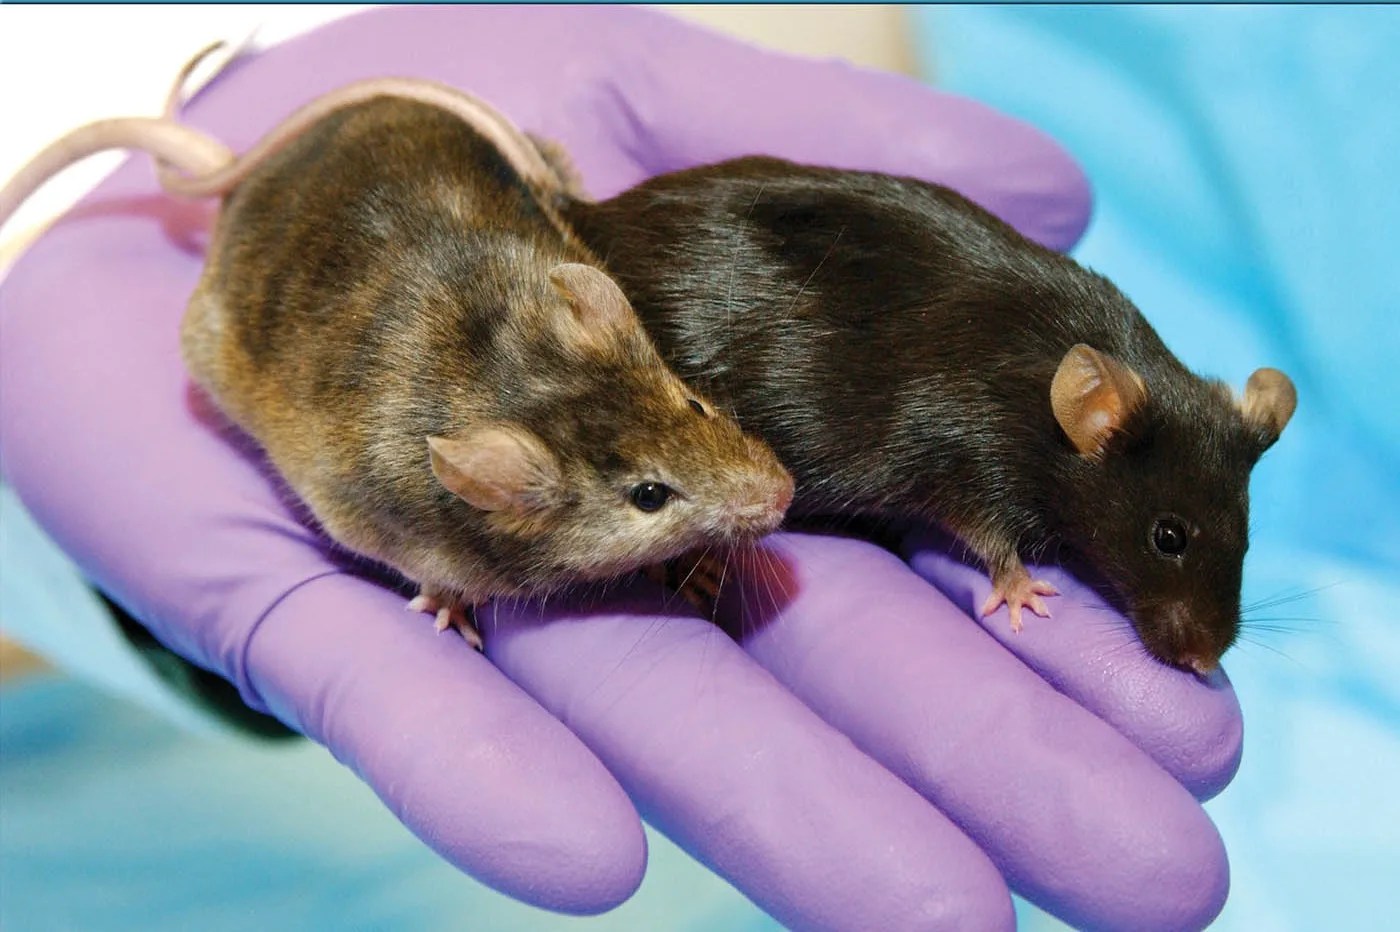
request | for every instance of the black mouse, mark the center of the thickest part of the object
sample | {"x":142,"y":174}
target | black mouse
{"x":907,"y":353}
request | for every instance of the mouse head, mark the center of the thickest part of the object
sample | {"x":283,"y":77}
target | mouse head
{"x":597,"y":459}
{"x":1159,"y":492}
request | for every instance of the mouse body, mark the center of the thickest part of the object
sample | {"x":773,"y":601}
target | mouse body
{"x":906,"y":353}
{"x":436,"y":368}
{"x":450,"y":384}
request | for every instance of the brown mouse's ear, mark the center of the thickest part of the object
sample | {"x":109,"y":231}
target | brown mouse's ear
{"x":597,"y":302}
{"x":1093,"y":395}
{"x":1268,"y":403}
{"x":496,"y":468}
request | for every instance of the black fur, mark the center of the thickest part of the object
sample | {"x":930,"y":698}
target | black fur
{"x":895,"y":344}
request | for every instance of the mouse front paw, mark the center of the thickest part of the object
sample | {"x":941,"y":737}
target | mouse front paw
{"x":1017,"y":590}
{"x":451,"y":612}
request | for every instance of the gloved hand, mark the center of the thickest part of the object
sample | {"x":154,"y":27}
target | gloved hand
{"x":864,"y":756}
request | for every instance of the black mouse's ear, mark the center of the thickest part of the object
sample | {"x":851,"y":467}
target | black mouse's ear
{"x":497,"y":468}
{"x":1094,"y":396}
{"x":1268,"y":404}
{"x":598,"y":303}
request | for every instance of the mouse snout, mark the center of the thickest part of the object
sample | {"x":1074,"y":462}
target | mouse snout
{"x":758,"y":503}
{"x":1187,"y":641}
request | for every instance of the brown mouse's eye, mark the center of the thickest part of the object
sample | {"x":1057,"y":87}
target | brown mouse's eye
{"x":650,"y":496}
{"x":696,"y":406}
{"x":1169,"y":537}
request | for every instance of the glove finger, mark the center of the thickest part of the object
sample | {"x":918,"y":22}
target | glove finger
{"x":1078,"y":819}
{"x":727,"y":763}
{"x":1090,"y":653}
{"x":460,"y":754}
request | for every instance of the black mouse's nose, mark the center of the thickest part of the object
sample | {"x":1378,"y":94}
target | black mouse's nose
{"x":1189,"y":642}
{"x":1205,"y":666}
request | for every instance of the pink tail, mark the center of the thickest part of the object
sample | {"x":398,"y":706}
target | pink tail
{"x":517,"y":149}
{"x":191,"y":150}
{"x":192,"y":164}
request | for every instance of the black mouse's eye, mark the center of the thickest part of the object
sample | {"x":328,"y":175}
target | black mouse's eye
{"x":650,"y":496}
{"x":1169,"y":537}
{"x":696,"y":406}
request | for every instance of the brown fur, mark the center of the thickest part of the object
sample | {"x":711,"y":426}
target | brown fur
{"x":385,"y":278}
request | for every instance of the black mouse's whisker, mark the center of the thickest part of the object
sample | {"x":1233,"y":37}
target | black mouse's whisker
{"x":1283,"y":598}
{"x":1281,"y":623}
{"x":1126,"y":645}
{"x":1248,"y":642}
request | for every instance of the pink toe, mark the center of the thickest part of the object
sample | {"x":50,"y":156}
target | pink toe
{"x":1016,"y":619}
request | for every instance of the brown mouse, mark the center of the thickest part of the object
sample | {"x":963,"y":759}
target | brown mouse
{"x":443,"y":376}
{"x":906,"y":353}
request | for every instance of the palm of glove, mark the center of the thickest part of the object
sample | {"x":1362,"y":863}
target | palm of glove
{"x":865,"y":755}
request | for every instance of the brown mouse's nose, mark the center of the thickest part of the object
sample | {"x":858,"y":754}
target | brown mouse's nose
{"x":782,"y":499}
{"x":760,"y":504}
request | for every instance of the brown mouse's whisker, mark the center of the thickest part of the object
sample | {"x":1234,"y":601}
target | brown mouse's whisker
{"x":694,"y":567}
{"x":719,"y":587}
{"x":779,"y":582}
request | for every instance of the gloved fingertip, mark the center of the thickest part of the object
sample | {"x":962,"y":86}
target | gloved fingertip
{"x":979,"y":900}
{"x":466,"y":760}
{"x":1179,"y":880}
{"x":1089,"y":652}
{"x":595,"y":865}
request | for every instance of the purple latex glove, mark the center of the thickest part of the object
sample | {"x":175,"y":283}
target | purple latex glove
{"x":864,"y":756}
